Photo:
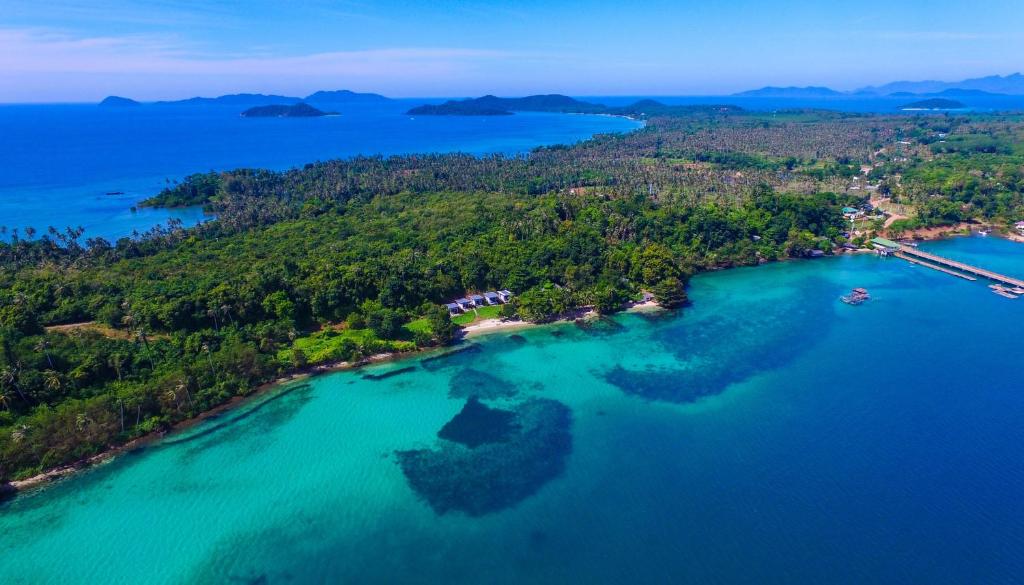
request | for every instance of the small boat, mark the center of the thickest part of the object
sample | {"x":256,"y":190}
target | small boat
{"x":856,"y":296}
{"x":115,"y":192}
{"x":1017,"y":290}
{"x":1004,"y":293}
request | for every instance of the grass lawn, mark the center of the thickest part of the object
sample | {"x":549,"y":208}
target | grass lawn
{"x":488,"y":312}
{"x":332,"y":344}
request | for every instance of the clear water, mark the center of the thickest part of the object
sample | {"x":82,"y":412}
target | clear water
{"x":59,"y":162}
{"x":767,"y":434}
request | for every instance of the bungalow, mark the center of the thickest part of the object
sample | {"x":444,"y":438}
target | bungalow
{"x":505,"y":295}
{"x":478,"y":301}
{"x":453,"y":308}
{"x":464,"y":304}
{"x":491,"y":298}
{"x":1020,"y":227}
{"x":851,"y":212}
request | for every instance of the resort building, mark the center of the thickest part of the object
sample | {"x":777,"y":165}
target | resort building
{"x":884,"y":246}
{"x":1020,"y":227}
{"x":471,"y":302}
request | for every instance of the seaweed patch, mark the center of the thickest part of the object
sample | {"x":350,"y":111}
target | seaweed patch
{"x":493,"y":476}
{"x":389,"y":374}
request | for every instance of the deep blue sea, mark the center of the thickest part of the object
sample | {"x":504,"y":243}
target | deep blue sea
{"x":82,"y":165}
{"x":768,"y":434}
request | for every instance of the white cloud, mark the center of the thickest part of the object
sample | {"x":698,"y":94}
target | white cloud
{"x":37,"y":54}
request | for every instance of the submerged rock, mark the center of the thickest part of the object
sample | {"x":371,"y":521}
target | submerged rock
{"x":471,"y":382}
{"x":717,"y":351}
{"x":476,"y":425}
{"x":600,"y":326}
{"x":534,"y":445}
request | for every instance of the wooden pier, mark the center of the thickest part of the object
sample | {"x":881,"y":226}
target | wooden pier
{"x":960,"y":269}
{"x":934,"y":266}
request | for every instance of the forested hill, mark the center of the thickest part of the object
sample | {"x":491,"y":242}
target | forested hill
{"x":101,"y":342}
{"x":490,"y":105}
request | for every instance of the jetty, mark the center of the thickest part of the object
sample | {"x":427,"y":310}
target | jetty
{"x":924,"y":258}
{"x":945,"y":265}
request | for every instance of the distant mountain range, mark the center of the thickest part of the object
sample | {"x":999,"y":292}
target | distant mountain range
{"x":320,"y":98}
{"x":993,"y":84}
{"x":979,"y":86}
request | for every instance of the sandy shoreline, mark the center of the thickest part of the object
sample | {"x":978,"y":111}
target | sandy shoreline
{"x":476,"y":329}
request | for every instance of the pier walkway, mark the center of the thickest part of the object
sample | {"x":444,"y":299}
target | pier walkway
{"x":912,"y":254}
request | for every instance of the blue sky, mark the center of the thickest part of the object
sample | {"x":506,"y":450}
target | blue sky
{"x":64,"y":50}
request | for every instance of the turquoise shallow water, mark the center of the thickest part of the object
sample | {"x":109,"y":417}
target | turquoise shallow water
{"x":767,"y":434}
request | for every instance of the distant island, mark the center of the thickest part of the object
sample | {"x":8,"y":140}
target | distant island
{"x":344,"y":96}
{"x":300,"y":110}
{"x":490,"y":105}
{"x":790,"y":92}
{"x":322,"y":98}
{"x":934,"y":104}
{"x":116,"y":101}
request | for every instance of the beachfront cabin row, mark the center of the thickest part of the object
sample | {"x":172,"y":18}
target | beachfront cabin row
{"x":472,"y":301}
{"x":884,"y":246}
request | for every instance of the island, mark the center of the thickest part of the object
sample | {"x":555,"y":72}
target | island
{"x":342,"y":261}
{"x":116,"y":101}
{"x":281,"y":111}
{"x":934,"y":104}
{"x":790,"y":92}
{"x":490,"y":105}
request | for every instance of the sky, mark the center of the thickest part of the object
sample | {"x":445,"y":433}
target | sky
{"x":79,"y":51}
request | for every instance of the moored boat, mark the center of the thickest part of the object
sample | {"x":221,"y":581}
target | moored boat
{"x":856,"y":296}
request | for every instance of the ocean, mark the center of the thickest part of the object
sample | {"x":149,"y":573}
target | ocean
{"x":83,"y":165}
{"x":766,"y":434}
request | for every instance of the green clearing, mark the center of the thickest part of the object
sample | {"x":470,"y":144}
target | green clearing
{"x":478,"y":314}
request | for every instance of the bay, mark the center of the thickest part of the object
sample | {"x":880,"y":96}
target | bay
{"x":766,"y":434}
{"x":83,"y":165}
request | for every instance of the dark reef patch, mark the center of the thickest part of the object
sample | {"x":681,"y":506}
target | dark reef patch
{"x":498,"y":475}
{"x":600,"y":326}
{"x":728,"y":347}
{"x":450,"y":358}
{"x":518,"y":339}
{"x":389,"y":374}
{"x":471,"y":382}
{"x":477,"y":424}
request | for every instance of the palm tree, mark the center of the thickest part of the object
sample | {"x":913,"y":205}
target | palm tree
{"x":5,"y":399}
{"x":44,"y":346}
{"x":51,"y":380}
{"x":9,"y":379}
